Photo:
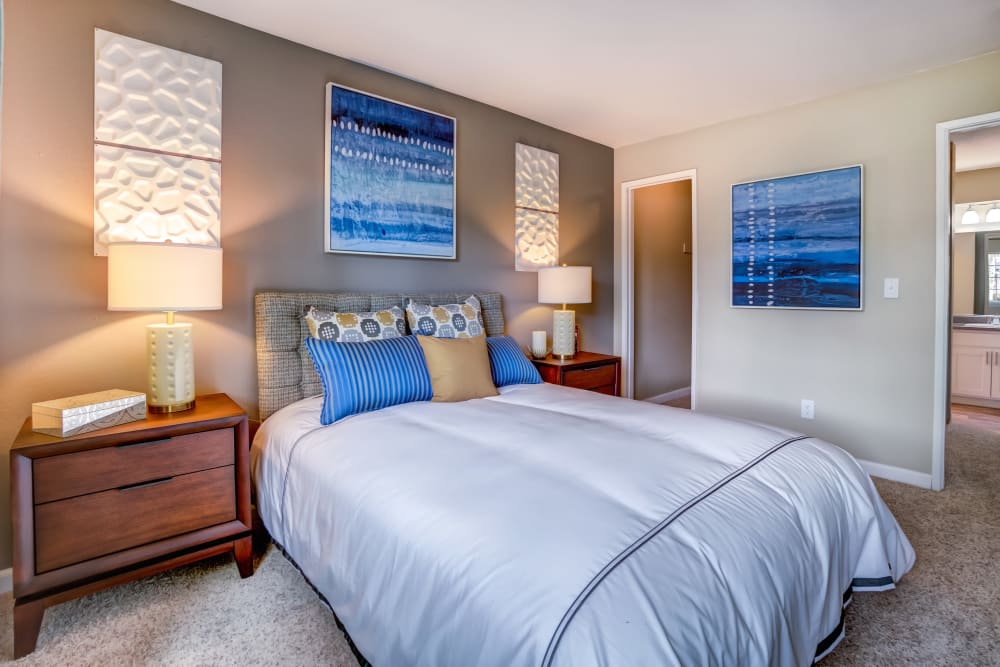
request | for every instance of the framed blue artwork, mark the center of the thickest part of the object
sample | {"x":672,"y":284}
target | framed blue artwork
{"x":390,"y":177}
{"x":797,"y":241}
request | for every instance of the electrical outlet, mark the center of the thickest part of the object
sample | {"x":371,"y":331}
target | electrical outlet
{"x":808,"y":409}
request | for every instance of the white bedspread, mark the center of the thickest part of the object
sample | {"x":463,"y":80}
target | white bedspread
{"x":550,"y":525}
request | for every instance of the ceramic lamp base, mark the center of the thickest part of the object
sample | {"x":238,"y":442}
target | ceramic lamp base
{"x":563,"y":333}
{"x":170,"y":350}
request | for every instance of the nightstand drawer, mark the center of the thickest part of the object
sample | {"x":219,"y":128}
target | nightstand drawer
{"x":591,"y":378}
{"x":77,"y":529}
{"x":69,"y":475}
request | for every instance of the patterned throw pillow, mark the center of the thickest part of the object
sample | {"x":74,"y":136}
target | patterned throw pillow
{"x":450,"y":320}
{"x":354,"y":327}
{"x":362,"y":377}
{"x":508,"y":363}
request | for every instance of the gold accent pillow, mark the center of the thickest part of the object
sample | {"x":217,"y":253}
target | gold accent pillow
{"x":355,"y":327}
{"x":459,"y":368}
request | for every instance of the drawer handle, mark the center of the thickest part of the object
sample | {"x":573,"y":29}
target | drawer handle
{"x":595,"y":368}
{"x":142,"y":444}
{"x":140,"y":485}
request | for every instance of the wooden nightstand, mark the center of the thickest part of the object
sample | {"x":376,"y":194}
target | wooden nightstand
{"x":587,"y":370}
{"x":103,"y":508}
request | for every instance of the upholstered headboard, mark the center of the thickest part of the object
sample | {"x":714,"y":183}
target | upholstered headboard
{"x":285,"y":373}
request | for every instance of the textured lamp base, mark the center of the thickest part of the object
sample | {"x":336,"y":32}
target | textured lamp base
{"x":171,"y":367}
{"x":563,"y":333}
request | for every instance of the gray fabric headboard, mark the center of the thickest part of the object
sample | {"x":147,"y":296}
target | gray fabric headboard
{"x":285,"y":373}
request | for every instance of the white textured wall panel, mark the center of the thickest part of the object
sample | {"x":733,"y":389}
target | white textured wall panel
{"x":149,"y":102}
{"x":143,"y":196}
{"x":536,"y":239}
{"x":536,"y":213}
{"x":149,"y":96}
{"x":536,"y":178}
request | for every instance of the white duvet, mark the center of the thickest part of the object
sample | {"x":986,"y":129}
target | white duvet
{"x":553,"y":526}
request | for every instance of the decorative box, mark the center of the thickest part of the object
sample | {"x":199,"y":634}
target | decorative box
{"x":68,"y":416}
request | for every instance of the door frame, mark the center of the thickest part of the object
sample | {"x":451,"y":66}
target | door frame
{"x":942,"y":281}
{"x":626,"y":274}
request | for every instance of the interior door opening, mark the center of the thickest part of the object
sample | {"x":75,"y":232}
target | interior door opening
{"x":967,"y":340}
{"x":658,"y":308}
{"x":975,"y":268}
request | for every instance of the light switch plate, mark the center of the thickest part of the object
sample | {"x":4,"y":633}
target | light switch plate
{"x":890,"y":288}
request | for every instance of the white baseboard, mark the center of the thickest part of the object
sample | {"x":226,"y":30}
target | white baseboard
{"x":6,"y":580}
{"x":904,"y":475}
{"x":669,"y":396}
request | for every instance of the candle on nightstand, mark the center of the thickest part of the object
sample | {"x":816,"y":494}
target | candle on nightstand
{"x":538,"y":344}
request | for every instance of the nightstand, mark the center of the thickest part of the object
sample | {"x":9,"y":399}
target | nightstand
{"x":102,"y":508}
{"x":587,"y":370}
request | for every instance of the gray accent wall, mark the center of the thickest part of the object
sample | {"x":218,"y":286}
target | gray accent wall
{"x":57,"y":337}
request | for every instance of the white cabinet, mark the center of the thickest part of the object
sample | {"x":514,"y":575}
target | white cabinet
{"x":995,"y":384}
{"x":971,"y":371}
{"x":975,"y":365}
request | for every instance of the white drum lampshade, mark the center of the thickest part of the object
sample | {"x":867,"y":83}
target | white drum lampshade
{"x":166,"y":277}
{"x":564,"y":284}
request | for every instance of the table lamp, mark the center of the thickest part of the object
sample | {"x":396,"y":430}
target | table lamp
{"x":166,"y":277}
{"x":564,"y":284}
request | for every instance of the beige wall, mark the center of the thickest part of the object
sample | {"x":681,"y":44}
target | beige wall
{"x":870,"y":373}
{"x":662,"y":215}
{"x":976,"y":185}
{"x":969,"y":186}
{"x":963,"y":274}
{"x":57,"y":337}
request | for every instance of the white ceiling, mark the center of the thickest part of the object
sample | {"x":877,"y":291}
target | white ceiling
{"x":623,"y":71}
{"x":977,"y":149}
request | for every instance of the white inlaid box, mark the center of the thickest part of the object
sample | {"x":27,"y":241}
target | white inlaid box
{"x":63,"y":417}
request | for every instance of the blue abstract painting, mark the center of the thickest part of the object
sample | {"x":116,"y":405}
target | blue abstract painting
{"x":797,"y":241}
{"x":391,"y":177}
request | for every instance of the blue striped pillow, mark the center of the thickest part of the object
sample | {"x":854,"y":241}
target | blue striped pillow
{"x":361,"y":377}
{"x":509,"y":364}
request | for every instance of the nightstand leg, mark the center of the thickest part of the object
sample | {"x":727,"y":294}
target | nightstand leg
{"x":27,"y":623}
{"x":243,"y":552}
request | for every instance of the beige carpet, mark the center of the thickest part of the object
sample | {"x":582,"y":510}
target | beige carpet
{"x":198,"y":615}
{"x":945,"y":612}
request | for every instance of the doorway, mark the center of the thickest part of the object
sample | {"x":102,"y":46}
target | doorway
{"x":975,"y":268}
{"x":960,"y":276}
{"x":657,"y":312}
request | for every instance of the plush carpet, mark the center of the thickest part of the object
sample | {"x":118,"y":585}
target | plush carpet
{"x":945,"y":612}
{"x":198,"y":615}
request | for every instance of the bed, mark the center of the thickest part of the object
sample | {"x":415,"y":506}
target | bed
{"x":553,"y":526}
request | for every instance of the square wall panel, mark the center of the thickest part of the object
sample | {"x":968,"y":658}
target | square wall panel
{"x":536,"y":239}
{"x":149,"y":96}
{"x":536,"y":178}
{"x":152,"y":197}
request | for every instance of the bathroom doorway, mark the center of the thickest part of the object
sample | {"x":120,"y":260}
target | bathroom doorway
{"x":967,"y":310}
{"x":975,"y":274}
